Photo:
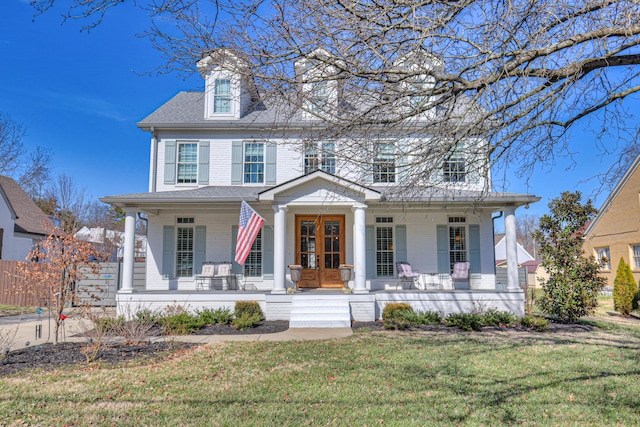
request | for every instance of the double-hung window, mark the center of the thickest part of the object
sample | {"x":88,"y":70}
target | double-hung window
{"x":319,"y":156}
{"x":384,"y":247}
{"x":454,"y":169}
{"x":253,"y":263}
{"x":457,"y":241}
{"x":253,"y":163}
{"x":319,"y":96}
{"x":187,"y":163}
{"x":635,"y":256}
{"x":222,"y":96}
{"x":603,"y":256}
{"x":384,"y":164}
{"x":184,"y":247}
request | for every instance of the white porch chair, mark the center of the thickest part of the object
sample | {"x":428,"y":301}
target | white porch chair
{"x":206,"y":276}
{"x":460,"y":275}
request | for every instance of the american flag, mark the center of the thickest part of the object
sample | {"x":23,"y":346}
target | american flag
{"x":248,"y":228}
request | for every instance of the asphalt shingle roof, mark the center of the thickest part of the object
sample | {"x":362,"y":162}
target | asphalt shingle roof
{"x":29,"y":217}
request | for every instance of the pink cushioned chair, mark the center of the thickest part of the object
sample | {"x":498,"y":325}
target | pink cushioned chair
{"x":406,"y":272}
{"x":460,"y":275}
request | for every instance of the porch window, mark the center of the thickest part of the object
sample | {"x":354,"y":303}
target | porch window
{"x":384,"y":247}
{"x":457,"y":241}
{"x":253,"y":264}
{"x":603,"y":256}
{"x":384,"y":164}
{"x":253,"y":163}
{"x":222,"y":96}
{"x":187,"y":163}
{"x":319,"y":157}
{"x":635,"y":255}
{"x":184,"y":247}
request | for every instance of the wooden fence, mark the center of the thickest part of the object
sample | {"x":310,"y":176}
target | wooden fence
{"x":11,"y":283}
{"x":106,"y":284}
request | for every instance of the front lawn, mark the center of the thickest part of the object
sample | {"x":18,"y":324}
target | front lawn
{"x":494,"y":377}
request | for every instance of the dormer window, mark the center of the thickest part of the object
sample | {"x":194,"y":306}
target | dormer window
{"x":222,"y":96}
{"x":454,"y":169}
{"x":319,"y":96}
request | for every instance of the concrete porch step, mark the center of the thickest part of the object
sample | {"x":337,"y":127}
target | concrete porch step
{"x":320,"y":311}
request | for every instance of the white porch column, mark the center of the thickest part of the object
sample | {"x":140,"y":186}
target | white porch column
{"x":128,"y":257}
{"x":512,"y":248}
{"x":279,"y":248}
{"x":359,"y":248}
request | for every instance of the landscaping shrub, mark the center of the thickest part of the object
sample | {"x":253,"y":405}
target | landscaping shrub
{"x":539,"y":324}
{"x":624,"y":289}
{"x":181,"y":323}
{"x":148,"y":316}
{"x":246,"y":320}
{"x":105,"y":325}
{"x":218,"y":316}
{"x":464,"y":321}
{"x":427,"y":318}
{"x":493,"y":317}
{"x":248,"y":308}
{"x":397,"y":315}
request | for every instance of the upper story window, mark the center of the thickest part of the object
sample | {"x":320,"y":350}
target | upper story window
{"x":384,"y":164}
{"x":319,"y":96}
{"x":187,"y":163}
{"x":253,"y":163}
{"x":319,"y":156}
{"x":454,"y":169}
{"x":222,"y":96}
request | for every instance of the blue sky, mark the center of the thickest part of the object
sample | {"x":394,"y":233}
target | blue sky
{"x":82,"y":93}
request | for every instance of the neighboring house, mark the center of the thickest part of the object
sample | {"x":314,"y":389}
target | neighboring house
{"x":211,"y":150}
{"x":532,"y":268}
{"x":22,"y":222}
{"x":112,"y":241}
{"x":615,"y":231}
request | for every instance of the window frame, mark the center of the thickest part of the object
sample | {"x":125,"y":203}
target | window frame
{"x":260,"y":172}
{"x":634,"y":257}
{"x":253,"y":265}
{"x":454,"y":169}
{"x":226,"y":98}
{"x":605,"y":265}
{"x":193,"y":175}
{"x":184,"y":268}
{"x":384,"y":163}
{"x":458,"y":250}
{"x":319,"y":156}
{"x":385,"y":256}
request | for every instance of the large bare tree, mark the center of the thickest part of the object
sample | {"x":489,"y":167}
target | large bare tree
{"x":32,"y":169}
{"x":519,"y":73}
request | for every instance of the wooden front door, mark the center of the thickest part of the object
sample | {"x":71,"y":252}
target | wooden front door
{"x":320,"y":250}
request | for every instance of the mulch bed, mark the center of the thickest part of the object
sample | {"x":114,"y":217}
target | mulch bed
{"x":49,"y":356}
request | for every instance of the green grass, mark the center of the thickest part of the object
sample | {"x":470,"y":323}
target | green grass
{"x":12,"y":310}
{"x":392,"y":378}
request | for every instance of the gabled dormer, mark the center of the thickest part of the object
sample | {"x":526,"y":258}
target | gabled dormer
{"x":414,"y":73}
{"x":319,"y":88}
{"x":229,"y":89}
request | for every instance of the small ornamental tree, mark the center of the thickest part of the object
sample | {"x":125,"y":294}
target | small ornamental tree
{"x":624,"y":289}
{"x":57,"y":263}
{"x":571,"y":291}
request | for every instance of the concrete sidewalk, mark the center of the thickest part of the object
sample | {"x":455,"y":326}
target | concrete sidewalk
{"x":25,"y":326}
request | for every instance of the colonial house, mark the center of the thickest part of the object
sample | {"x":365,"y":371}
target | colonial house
{"x":615,"y":231}
{"x":22,"y":222}
{"x":212,"y":150}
